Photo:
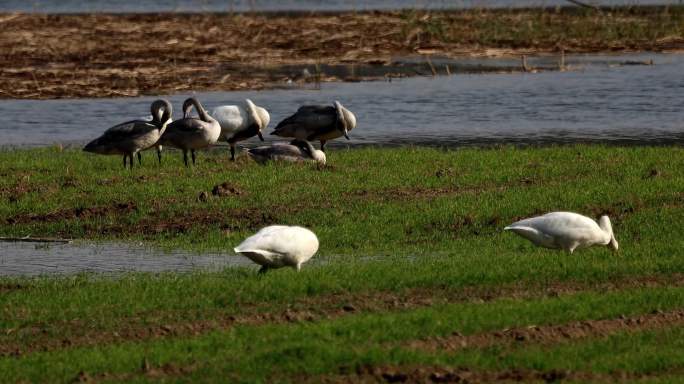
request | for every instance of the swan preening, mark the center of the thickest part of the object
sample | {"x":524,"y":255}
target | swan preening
{"x":191,"y":133}
{"x":295,"y":151}
{"x":240,"y":122}
{"x":318,"y":122}
{"x":131,"y":137}
{"x":278,"y":246}
{"x":565,"y":230}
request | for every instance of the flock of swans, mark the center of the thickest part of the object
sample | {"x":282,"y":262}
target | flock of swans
{"x":278,"y":246}
{"x":230,"y":123}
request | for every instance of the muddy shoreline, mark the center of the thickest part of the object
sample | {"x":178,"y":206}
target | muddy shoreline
{"x":119,"y":55}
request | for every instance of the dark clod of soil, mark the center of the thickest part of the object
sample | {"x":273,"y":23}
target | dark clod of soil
{"x":226,"y":189}
{"x":203,"y":196}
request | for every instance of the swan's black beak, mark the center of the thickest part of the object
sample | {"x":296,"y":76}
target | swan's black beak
{"x":261,"y":137}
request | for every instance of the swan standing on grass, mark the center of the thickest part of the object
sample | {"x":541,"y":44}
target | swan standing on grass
{"x":241,"y":122}
{"x":131,"y":137}
{"x":318,"y":122}
{"x":278,"y":246}
{"x":166,"y":122}
{"x":190,"y":133}
{"x":565,"y":230}
{"x":296,"y":151}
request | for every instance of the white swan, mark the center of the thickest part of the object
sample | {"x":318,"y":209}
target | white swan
{"x":318,"y":122}
{"x":190,"y":133}
{"x":296,"y":151}
{"x":131,"y":137}
{"x":278,"y":246}
{"x":240,"y":122}
{"x":565,"y":230}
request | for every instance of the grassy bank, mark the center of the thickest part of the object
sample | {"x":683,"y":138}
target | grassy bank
{"x":448,"y":295}
{"x":250,"y":51}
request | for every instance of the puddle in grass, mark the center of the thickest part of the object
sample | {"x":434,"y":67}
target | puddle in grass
{"x":33,"y":259}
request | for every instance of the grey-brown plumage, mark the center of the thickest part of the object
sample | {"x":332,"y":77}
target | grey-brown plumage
{"x":318,"y":122}
{"x":189,"y":133}
{"x":131,"y":137}
{"x":295,"y":151}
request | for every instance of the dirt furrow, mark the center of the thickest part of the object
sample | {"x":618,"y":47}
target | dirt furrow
{"x":40,"y":336}
{"x":437,"y":374}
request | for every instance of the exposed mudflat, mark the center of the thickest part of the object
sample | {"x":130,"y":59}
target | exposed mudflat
{"x":107,"y":55}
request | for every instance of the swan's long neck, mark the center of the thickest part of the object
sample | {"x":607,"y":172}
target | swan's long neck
{"x":203,"y":115}
{"x":604,"y":224}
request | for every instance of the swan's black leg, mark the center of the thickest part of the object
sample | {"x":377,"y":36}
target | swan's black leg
{"x":159,"y":154}
{"x":185,"y":157}
{"x":192,"y":151}
{"x":263,"y":269}
{"x":124,"y":161}
{"x":130,"y":160}
{"x":232,"y":153}
{"x":139,"y":158}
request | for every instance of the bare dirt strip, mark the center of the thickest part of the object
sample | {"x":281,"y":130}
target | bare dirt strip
{"x":150,"y":326}
{"x":436,"y":374}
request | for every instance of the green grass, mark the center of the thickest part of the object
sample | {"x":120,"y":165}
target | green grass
{"x":391,"y":222}
{"x":307,"y":348}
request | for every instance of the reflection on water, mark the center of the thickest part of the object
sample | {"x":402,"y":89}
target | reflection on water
{"x":30,"y":259}
{"x":595,"y":101}
{"x":71,"y":6}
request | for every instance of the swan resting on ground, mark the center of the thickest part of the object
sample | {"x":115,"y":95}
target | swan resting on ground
{"x":295,"y":151}
{"x":318,"y":122}
{"x":279,"y":246}
{"x":240,"y":122}
{"x":565,"y":230}
{"x":131,"y":137}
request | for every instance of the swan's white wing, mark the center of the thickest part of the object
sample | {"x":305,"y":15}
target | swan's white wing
{"x":231,"y":118}
{"x":297,"y":244}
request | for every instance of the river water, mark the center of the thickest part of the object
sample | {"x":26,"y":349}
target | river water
{"x":597,"y":100}
{"x":141,"y":6}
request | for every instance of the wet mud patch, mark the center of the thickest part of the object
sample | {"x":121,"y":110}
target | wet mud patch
{"x":113,"y":209}
{"x":163,"y":324}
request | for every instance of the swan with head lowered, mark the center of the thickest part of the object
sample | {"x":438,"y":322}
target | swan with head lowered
{"x":241,"y":122}
{"x":131,"y":137}
{"x":295,"y":151}
{"x":318,"y":122}
{"x":189,"y":133}
{"x":279,"y":246}
{"x":565,"y":230}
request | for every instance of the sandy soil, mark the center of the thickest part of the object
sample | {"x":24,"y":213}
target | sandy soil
{"x":65,"y":56}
